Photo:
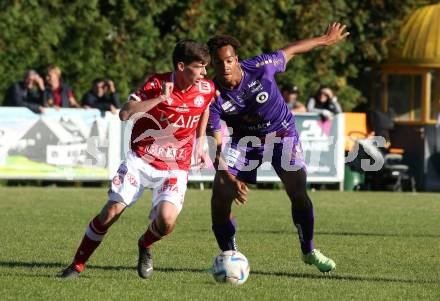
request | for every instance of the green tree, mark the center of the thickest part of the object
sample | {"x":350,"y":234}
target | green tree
{"x":127,"y":40}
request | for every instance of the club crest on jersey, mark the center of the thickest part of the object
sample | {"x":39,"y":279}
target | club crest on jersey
{"x":204,"y":87}
{"x":198,"y":101}
{"x":262,"y":97}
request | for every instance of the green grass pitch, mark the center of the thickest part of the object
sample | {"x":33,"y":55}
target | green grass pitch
{"x":386,"y":247}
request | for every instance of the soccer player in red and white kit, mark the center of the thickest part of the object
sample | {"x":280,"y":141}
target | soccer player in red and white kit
{"x":170,"y":111}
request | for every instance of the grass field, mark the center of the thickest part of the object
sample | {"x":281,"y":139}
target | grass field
{"x":386,"y":246}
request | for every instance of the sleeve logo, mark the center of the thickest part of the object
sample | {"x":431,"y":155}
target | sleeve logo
{"x":204,"y":87}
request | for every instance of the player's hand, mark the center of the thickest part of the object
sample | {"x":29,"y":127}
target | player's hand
{"x":111,"y":85}
{"x":232,"y":187}
{"x":239,"y":189}
{"x":217,"y":95}
{"x":335,"y":33}
{"x":241,"y":192}
{"x":167,"y":90}
{"x":200,"y":156}
{"x":40,"y":82}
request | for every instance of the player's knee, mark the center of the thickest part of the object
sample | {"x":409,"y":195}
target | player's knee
{"x":221,"y":189}
{"x":110,"y":213}
{"x":222,"y":196}
{"x":166,"y":218}
{"x":300,"y":199}
{"x":165,"y":225}
{"x":220,"y":202}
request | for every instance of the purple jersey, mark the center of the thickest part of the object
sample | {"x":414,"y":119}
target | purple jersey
{"x":256,"y":107}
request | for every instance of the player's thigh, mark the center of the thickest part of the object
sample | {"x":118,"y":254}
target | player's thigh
{"x":171,"y":189}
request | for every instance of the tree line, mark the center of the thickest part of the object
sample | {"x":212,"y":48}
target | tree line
{"x":128,"y":39}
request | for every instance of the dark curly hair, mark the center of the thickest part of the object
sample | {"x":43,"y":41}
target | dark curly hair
{"x":188,"y":51}
{"x":217,"y":42}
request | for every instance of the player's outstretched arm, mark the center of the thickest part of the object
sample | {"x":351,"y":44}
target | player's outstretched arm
{"x":335,"y":33}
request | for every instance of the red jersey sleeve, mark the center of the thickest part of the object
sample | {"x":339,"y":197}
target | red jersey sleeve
{"x":151,"y":89}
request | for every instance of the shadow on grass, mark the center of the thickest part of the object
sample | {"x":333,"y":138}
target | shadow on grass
{"x":329,"y":277}
{"x":334,"y":233}
{"x":377,"y":234}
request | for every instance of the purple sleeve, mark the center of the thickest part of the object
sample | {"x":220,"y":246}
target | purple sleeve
{"x":273,"y":62}
{"x":214,"y":117}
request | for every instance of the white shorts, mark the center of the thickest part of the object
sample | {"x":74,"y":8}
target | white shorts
{"x":134,"y":175}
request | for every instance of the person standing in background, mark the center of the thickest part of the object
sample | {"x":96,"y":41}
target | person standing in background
{"x":57,"y":93}
{"x":102,"y":96}
{"x":26,"y":93}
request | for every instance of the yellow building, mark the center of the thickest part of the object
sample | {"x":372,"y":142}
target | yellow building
{"x":410,"y":87}
{"x":411,"y":77}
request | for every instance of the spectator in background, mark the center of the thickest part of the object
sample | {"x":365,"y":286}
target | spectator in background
{"x":102,"y":96}
{"x":26,"y":93}
{"x":291,"y":95}
{"x":57,"y":93}
{"x":324,"y":103}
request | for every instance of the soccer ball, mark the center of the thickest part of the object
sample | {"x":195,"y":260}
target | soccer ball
{"x":232,"y":267}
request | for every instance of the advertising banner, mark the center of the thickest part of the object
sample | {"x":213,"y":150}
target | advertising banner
{"x":64,"y":144}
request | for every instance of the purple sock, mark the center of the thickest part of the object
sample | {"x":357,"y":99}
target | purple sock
{"x":304,"y":221}
{"x":225,"y":235}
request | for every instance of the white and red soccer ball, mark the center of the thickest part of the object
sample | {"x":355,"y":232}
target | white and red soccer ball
{"x":231,"y":267}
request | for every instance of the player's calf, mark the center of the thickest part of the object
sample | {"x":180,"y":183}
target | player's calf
{"x":225,"y":234}
{"x":158,"y":229}
{"x":93,"y":237}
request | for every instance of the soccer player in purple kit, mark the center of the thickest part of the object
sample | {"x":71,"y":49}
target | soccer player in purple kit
{"x":263,"y":129}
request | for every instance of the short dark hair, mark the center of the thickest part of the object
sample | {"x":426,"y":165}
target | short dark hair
{"x":188,"y":51}
{"x":98,"y":80}
{"x":220,"y":41}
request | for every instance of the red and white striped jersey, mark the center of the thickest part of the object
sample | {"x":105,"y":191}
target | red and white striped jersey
{"x":164,"y":136}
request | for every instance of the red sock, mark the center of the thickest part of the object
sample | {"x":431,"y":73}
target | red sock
{"x":150,"y":236}
{"x":92,"y":238}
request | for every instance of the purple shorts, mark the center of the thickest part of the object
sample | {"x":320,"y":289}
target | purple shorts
{"x":244,"y":155}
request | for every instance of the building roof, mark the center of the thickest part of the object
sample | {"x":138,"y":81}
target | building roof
{"x":420,"y":35}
